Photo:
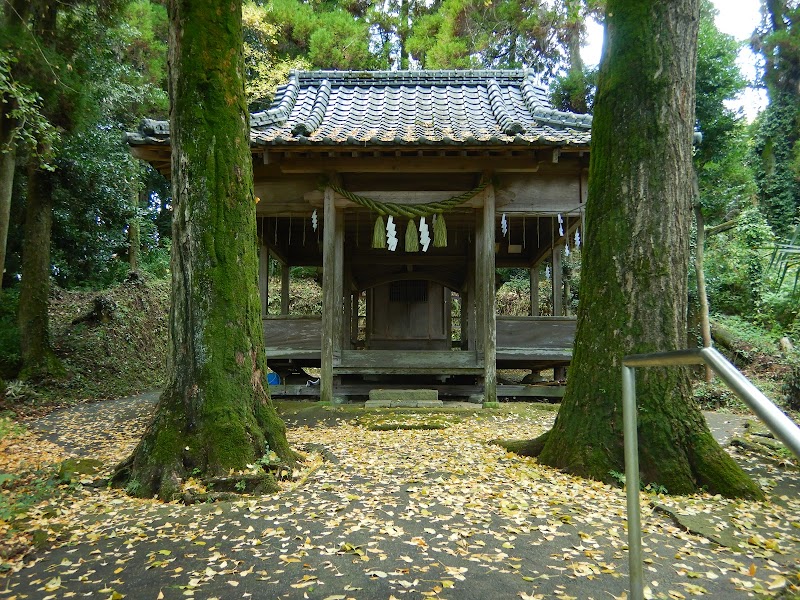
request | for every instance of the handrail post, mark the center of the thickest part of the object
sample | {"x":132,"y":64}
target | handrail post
{"x":631,"y":440}
{"x":777,"y":422}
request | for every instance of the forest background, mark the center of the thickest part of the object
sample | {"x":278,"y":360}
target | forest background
{"x":74,"y":76}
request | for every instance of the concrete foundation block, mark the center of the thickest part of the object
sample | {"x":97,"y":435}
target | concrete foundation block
{"x":417,"y":398}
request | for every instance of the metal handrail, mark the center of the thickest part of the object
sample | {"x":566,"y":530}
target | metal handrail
{"x":776,"y":421}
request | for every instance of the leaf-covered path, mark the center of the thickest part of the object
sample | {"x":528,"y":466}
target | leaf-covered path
{"x":398,"y":513}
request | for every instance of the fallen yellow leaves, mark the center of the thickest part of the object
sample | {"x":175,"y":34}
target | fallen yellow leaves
{"x":21,"y":450}
{"x":433,"y":512}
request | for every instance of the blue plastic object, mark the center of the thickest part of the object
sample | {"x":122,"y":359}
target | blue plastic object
{"x":273,"y":378}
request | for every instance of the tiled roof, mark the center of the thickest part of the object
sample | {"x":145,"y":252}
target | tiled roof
{"x":402,"y":108}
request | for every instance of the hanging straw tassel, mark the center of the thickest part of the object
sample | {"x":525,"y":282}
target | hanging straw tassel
{"x":379,"y":233}
{"x":439,"y":232}
{"x":412,"y":237}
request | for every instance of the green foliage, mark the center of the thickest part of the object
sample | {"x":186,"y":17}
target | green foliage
{"x":92,"y":208}
{"x":724,"y":177}
{"x":757,"y":339}
{"x":735,"y":265}
{"x":573,"y":91}
{"x":326,"y":36}
{"x":155,"y":260}
{"x":489,"y":34}
{"x":23,"y":106}
{"x":774,"y":149}
{"x":718,"y":80}
{"x":264,"y":69}
{"x":10,"y":357}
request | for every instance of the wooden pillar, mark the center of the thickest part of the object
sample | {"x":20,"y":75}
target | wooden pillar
{"x":340,"y":327}
{"x":284,"y":289}
{"x":534,"y":275}
{"x":354,"y":319}
{"x":486,"y":297}
{"x":478,"y":297}
{"x":332,"y":317}
{"x":465,"y":308}
{"x":469,"y":316}
{"x":263,"y":278}
{"x":558,"y":291}
{"x":559,"y":373}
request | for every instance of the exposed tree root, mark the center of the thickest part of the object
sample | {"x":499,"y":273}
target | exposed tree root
{"x":531,"y":448}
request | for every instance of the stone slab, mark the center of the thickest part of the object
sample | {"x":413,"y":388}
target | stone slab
{"x":416,"y":398}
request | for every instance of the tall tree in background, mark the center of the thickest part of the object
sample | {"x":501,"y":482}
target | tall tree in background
{"x":215,"y":414}
{"x":327,"y":35}
{"x":23,"y":127}
{"x":634,"y":283}
{"x":777,"y":141}
{"x":464,"y":34}
{"x":573,"y":91}
{"x":38,"y":358}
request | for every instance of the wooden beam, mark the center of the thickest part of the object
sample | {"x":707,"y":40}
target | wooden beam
{"x":339,"y":297}
{"x":451,"y":280}
{"x":284,"y":289}
{"x":487,"y":292}
{"x":398,"y":197}
{"x":353,"y":319}
{"x":263,"y":278}
{"x":558,"y":288}
{"x":432,"y":362}
{"x":479,"y":280}
{"x":531,"y":391}
{"x":329,"y":278}
{"x":411,"y":164}
{"x":383,"y":257}
{"x":534,"y":279}
{"x":559,"y":373}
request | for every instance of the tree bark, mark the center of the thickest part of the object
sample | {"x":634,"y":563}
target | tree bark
{"x":38,"y":359}
{"x":215,"y":414}
{"x":402,"y":33}
{"x":634,"y":287}
{"x":8,"y":163}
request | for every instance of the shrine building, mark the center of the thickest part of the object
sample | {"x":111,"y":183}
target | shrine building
{"x":408,"y":189}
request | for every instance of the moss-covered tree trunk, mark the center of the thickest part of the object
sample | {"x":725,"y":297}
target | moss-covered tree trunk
{"x":215,"y":413}
{"x":635,"y":262}
{"x":38,"y":359}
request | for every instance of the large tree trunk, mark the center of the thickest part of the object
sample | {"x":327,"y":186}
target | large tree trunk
{"x":215,"y":413}
{"x":38,"y":359}
{"x":634,"y":287}
{"x":8,"y":163}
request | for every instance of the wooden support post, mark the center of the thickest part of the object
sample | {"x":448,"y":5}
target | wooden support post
{"x":465,"y":308}
{"x":354,"y":320}
{"x":534,"y":273}
{"x":339,"y":325}
{"x":332,"y":255}
{"x":487,"y":299}
{"x":284,"y":289}
{"x":263,"y":278}
{"x":478,"y":297}
{"x":558,"y":291}
{"x":559,"y":373}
